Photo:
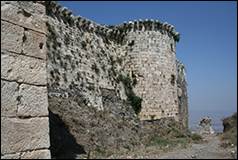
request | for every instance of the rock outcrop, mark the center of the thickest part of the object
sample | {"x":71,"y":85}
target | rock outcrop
{"x":205,"y":126}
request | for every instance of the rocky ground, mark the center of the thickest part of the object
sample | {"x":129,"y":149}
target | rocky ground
{"x":172,"y":144}
{"x":210,"y":148}
{"x":205,"y":145}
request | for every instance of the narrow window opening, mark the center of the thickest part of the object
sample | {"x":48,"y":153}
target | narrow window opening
{"x":41,"y":45}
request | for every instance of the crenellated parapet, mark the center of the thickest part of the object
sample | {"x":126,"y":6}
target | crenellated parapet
{"x":82,"y":23}
{"x":148,"y":25}
{"x":114,"y":33}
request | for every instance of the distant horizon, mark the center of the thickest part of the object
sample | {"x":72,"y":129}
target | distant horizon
{"x":216,"y":117}
{"x":208,"y":44}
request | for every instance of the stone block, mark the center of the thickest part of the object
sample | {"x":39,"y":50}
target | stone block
{"x":19,"y":135}
{"x":27,"y":14}
{"x":39,"y":154}
{"x":33,"y":101}
{"x":34,"y":44}
{"x":9,"y":94}
{"x":11,"y":156}
{"x":23,"y":69}
{"x":11,"y":37}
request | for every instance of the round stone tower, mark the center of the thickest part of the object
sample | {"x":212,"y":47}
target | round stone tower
{"x":152,"y":62}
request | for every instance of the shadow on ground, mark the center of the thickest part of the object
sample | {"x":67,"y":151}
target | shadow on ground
{"x":63,"y":144}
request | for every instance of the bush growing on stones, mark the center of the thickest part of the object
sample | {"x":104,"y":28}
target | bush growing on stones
{"x":196,"y":137}
{"x":119,"y":60}
{"x":177,"y":38}
{"x":134,"y":100}
{"x":67,"y":40}
{"x":84,"y":44}
{"x":95,"y":68}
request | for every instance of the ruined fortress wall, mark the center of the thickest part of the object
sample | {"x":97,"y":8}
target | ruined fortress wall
{"x":84,"y":92}
{"x":79,"y":59}
{"x":77,"y":69}
{"x":24,"y":102}
{"x":153,"y":63}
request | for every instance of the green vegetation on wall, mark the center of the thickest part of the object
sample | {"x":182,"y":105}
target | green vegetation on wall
{"x":177,"y":38}
{"x":134,"y":100}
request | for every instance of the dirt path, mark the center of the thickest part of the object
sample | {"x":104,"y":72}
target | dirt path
{"x":208,"y":150}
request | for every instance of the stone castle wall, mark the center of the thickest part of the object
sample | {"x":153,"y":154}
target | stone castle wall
{"x":85,"y":61}
{"x":74,"y":67}
{"x":153,"y":63}
{"x":84,"y":91}
{"x":79,"y":59}
{"x":24,"y":102}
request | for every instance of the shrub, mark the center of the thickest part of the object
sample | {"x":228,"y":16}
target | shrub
{"x":112,"y":61}
{"x":125,"y":80}
{"x":168,"y":142}
{"x":134,"y":82}
{"x":119,"y":60}
{"x":84,"y":45}
{"x":95,"y":68}
{"x":134,"y":100}
{"x":91,"y":87}
{"x":66,"y":39}
{"x":177,"y":133}
{"x":177,"y":38}
{"x":160,"y":141}
{"x":196,"y":137}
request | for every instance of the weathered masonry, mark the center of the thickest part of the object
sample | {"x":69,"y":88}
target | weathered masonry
{"x":100,"y":81}
{"x":153,"y":63}
{"x":24,"y":96}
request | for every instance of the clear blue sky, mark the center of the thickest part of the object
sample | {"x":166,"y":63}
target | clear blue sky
{"x":207,"y":46}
